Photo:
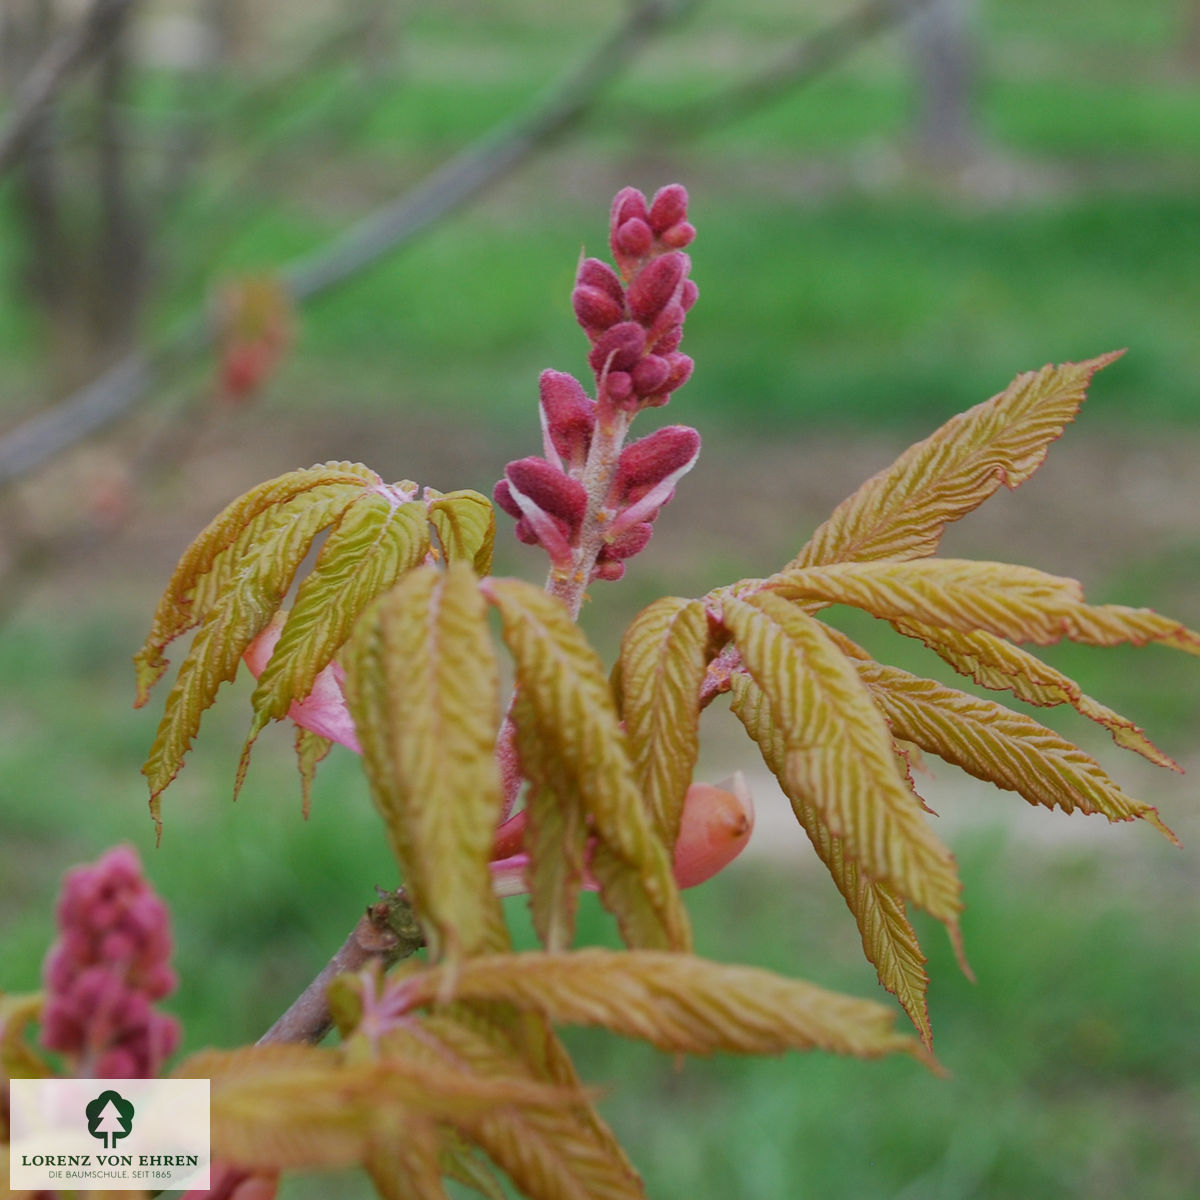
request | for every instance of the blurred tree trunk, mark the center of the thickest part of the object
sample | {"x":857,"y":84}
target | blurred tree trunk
{"x":944,"y":56}
{"x":80,"y":224}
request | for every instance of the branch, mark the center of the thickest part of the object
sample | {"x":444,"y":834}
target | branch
{"x":106,"y":399}
{"x":386,"y":933}
{"x":805,"y":61}
{"x":66,"y":55}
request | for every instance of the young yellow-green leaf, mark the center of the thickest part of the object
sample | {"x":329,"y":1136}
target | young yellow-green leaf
{"x":839,"y":754}
{"x":664,"y":656}
{"x":406,"y":1163}
{"x":18,"y":1059}
{"x":422,"y":684}
{"x":178,"y":610}
{"x":242,"y":611}
{"x":903,"y":511}
{"x":559,"y":1152}
{"x":1006,"y":748}
{"x":888,"y":939}
{"x":311,"y":749}
{"x":994,"y":663}
{"x":1018,"y":603}
{"x":677,"y":1002}
{"x":571,"y":704}
{"x":556,"y":831}
{"x":461,"y":1162}
{"x":375,"y":542}
{"x":466,"y":526}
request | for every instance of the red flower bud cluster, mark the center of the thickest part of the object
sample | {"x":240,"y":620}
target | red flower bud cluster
{"x":109,"y":965}
{"x":634,"y":321}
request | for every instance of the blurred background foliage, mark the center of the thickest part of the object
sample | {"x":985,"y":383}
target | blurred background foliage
{"x":886,"y":236}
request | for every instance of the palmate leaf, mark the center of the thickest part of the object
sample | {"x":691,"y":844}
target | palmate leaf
{"x":839,"y":754}
{"x":241,"y":611}
{"x":888,"y":939}
{"x":993,"y":743}
{"x":676,"y":1002}
{"x":550,"y":1152}
{"x":572,"y":711}
{"x":902,"y":512}
{"x":178,"y":610}
{"x":664,"y":656}
{"x":466,"y":526}
{"x":422,"y":685}
{"x":1018,"y":603}
{"x":376,"y":541}
{"x":994,"y":663}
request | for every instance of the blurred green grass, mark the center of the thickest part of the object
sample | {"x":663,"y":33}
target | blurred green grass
{"x":836,"y":289}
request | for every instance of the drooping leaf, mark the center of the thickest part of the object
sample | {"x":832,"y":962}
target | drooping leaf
{"x":1018,"y":603}
{"x":422,"y":684}
{"x":664,"y":656}
{"x":994,"y":663}
{"x":466,"y":526}
{"x":677,"y":1002}
{"x":246,"y":606}
{"x":550,"y":1152}
{"x":888,"y":939}
{"x":838,"y":752}
{"x":179,"y":609}
{"x":571,"y":706}
{"x":1006,"y":748}
{"x":311,"y":749}
{"x":902,"y":511}
{"x":556,"y":831}
{"x":375,"y":542}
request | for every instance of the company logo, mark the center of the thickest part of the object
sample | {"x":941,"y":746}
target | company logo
{"x":109,"y":1117}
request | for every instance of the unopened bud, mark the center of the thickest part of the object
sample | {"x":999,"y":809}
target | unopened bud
{"x":608,"y":569}
{"x":689,"y":294}
{"x":668,"y":340}
{"x":650,"y":375}
{"x":546,"y":486}
{"x":651,"y":459}
{"x":633,"y":239}
{"x":594,"y":273}
{"x":668,"y":207}
{"x":619,"y":385}
{"x":628,"y":203}
{"x":619,"y":348}
{"x":681,"y":371}
{"x":632,"y":541}
{"x":655,"y":285}
{"x":568,"y":417}
{"x":595,"y":310}
{"x":714,"y":829}
{"x":678,"y":236}
{"x":524,"y":532}
{"x":503,"y":496}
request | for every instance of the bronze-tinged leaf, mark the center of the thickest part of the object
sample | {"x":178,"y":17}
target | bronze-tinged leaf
{"x":422,"y":684}
{"x":406,"y":1163}
{"x":556,"y":831}
{"x":466,"y":526}
{"x":571,"y":707}
{"x":664,"y":656}
{"x":461,"y":1162}
{"x":18,"y":1059}
{"x":1008,"y":601}
{"x":902,"y":511}
{"x":243,"y":610}
{"x":888,"y":939}
{"x":376,"y":541}
{"x":1006,"y":748}
{"x":550,"y":1152}
{"x":839,"y":754}
{"x":311,"y":749}
{"x":179,"y":610}
{"x":994,"y":663}
{"x":677,"y":1002}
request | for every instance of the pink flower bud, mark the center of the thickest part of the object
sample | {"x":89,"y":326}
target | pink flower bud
{"x":678,"y":236}
{"x":715,"y":828}
{"x":689,"y":294}
{"x":628,"y":204}
{"x":619,"y":348}
{"x":656,"y":457}
{"x":595,"y":310}
{"x":632,"y":541}
{"x":668,"y":207}
{"x":655,"y":284}
{"x":619,"y":385}
{"x":596,"y":274}
{"x":503,"y":496}
{"x":681,"y":371}
{"x":650,"y":375}
{"x":546,"y":486}
{"x":524,"y":532}
{"x":568,"y":420}
{"x":633,"y":240}
{"x":608,"y":569}
{"x":668,"y":340}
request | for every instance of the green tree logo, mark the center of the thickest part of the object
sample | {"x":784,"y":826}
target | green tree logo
{"x":109,"y":1117}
